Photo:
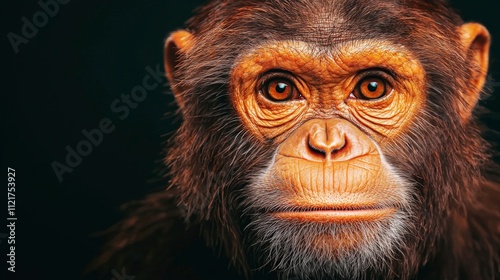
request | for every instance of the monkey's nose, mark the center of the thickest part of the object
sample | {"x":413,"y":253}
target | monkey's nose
{"x":325,"y":138}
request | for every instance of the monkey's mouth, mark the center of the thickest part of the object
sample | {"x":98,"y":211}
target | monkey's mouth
{"x":337,"y":214}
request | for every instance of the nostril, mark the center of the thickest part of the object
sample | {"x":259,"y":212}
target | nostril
{"x":320,"y":146}
{"x":338,"y":145}
{"x":315,"y":148}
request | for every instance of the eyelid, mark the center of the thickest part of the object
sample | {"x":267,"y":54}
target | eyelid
{"x":276,"y":73}
{"x":385,"y":74}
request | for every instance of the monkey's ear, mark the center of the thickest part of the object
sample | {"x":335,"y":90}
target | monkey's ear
{"x":176,"y":47}
{"x":476,"y":44}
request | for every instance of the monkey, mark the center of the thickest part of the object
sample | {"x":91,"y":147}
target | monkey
{"x":322,"y":139}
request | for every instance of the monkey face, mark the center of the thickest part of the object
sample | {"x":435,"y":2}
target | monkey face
{"x":328,"y":193}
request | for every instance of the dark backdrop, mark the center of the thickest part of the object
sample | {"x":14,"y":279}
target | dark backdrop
{"x":64,"y":80}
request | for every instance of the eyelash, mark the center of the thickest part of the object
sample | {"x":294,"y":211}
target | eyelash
{"x":377,"y":72}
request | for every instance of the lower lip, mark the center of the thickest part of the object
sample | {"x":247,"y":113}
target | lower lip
{"x":337,"y":216}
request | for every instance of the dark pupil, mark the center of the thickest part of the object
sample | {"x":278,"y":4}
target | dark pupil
{"x":281,"y":87}
{"x":372,"y":86}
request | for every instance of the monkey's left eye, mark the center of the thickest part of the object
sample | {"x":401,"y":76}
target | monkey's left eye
{"x":372,"y":88}
{"x":279,"y":89}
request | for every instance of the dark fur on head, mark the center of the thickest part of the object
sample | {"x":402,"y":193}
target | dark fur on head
{"x":212,"y":157}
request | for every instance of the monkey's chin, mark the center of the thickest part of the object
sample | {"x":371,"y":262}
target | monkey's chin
{"x":318,"y":244}
{"x":344,"y":239}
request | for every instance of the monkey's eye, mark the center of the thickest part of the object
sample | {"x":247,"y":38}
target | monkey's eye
{"x":372,"y":88}
{"x":279,"y":89}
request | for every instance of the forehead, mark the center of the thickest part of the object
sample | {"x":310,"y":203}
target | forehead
{"x":323,"y":22}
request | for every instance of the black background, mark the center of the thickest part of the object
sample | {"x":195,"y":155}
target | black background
{"x":64,"y":80}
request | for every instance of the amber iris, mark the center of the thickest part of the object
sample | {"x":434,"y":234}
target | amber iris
{"x":372,"y":88}
{"x":279,"y":90}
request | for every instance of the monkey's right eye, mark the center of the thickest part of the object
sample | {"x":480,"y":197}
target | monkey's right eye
{"x":280,"y":90}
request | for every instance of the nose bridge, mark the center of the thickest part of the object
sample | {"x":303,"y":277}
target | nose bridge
{"x":326,"y":136}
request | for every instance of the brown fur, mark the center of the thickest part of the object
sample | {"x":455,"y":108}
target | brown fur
{"x":456,"y":233}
